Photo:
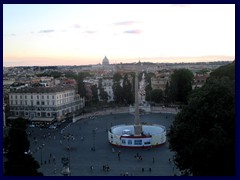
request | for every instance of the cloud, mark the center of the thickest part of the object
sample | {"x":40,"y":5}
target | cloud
{"x":125,"y":23}
{"x":46,"y":31}
{"x":9,"y":35}
{"x":134,"y":31}
{"x":90,"y":32}
{"x":76,"y":26}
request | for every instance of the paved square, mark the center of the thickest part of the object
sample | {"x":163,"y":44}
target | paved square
{"x":80,"y":139}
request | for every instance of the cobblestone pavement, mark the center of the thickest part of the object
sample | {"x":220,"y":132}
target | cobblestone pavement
{"x":75,"y":141}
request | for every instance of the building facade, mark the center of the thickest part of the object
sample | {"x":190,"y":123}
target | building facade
{"x":45,"y":104}
{"x":160,"y":80}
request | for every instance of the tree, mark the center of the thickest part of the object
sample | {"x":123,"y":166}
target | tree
{"x":167,"y":94}
{"x":94,"y":93}
{"x":81,"y":85}
{"x":117,"y":88}
{"x":203,"y":133}
{"x":103,"y":94}
{"x":148,"y":87}
{"x":181,"y":85}
{"x":127,"y":91}
{"x":16,"y":144}
{"x":157,"y":95}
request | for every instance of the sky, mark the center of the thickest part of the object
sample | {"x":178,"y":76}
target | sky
{"x":83,"y":34}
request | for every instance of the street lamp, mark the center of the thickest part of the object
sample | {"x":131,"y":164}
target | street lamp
{"x":41,"y":148}
{"x":94,"y":132}
{"x":68,"y":148}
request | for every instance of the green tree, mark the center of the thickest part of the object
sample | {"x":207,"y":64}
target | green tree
{"x":94,"y":93}
{"x":127,"y":91}
{"x":16,"y":144}
{"x":167,"y":95}
{"x":203,"y":133}
{"x":117,"y":88}
{"x":157,"y":95}
{"x":148,"y":87}
{"x":81,"y":85}
{"x":103,"y":94}
{"x":181,"y":85}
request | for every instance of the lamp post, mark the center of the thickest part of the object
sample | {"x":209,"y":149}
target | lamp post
{"x":94,"y":132}
{"x":41,"y":148}
{"x":68,"y":148}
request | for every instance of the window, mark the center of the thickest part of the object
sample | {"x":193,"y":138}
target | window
{"x":25,"y":97}
{"x":43,"y":103}
{"x":129,"y":141}
{"x":47,"y":96}
{"x":31,"y":103}
{"x":42,"y":97}
{"x":137,"y":142}
{"x":52,"y":97}
{"x":16,"y":102}
{"x":31,"y":97}
{"x":25,"y":102}
{"x":16,"y":97}
{"x":20,"y":97}
{"x":38,"y":103}
{"x":37,"y":97}
{"x":123,"y":141}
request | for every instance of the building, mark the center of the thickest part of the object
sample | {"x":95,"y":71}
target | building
{"x":105,"y":61}
{"x":160,"y":80}
{"x":199,"y":80}
{"x":107,"y":84}
{"x":43,"y":105}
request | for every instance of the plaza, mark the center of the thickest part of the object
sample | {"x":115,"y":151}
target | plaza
{"x":86,"y":144}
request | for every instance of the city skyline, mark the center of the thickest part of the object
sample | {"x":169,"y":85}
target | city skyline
{"x":84,"y":34}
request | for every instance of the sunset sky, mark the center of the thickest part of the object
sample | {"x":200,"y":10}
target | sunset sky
{"x":84,"y":34}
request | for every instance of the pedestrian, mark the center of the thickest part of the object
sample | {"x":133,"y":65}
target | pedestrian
{"x":54,"y":160}
{"x":169,"y":160}
{"x":142,"y":169}
{"x":153,"y":160}
{"x":150,"y":169}
{"x":91,"y":168}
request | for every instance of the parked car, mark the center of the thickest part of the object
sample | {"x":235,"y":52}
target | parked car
{"x":52,"y":127}
{"x":31,"y":126}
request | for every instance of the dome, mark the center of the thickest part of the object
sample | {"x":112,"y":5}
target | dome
{"x":105,"y":61}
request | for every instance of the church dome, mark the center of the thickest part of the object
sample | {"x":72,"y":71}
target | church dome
{"x":105,"y":61}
